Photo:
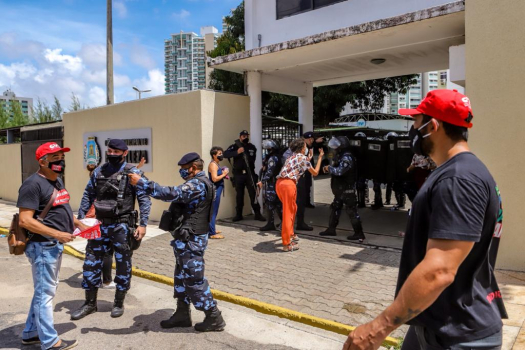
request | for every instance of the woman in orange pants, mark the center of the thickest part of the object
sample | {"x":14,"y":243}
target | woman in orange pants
{"x":286,"y":188}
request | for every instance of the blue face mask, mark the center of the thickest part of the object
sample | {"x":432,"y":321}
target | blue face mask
{"x":184,"y":173}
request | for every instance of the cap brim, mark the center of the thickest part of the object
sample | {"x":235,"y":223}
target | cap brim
{"x":408,"y":111}
{"x":65,"y":149}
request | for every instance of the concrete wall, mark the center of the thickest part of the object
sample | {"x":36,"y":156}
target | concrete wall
{"x":11,"y":174}
{"x":180,"y":123}
{"x":495,"y":74}
{"x":261,"y":18}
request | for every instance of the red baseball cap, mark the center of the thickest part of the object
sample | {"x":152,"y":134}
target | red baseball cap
{"x":446,"y":105}
{"x":49,"y":147}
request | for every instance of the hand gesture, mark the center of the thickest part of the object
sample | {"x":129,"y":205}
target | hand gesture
{"x":134,"y":179}
{"x":321,"y":153}
{"x":140,"y":232}
{"x":259,"y":184}
{"x":142,"y":162}
{"x":65,"y":237}
{"x":225,"y":171}
{"x":325,"y":169}
{"x":240,"y":150}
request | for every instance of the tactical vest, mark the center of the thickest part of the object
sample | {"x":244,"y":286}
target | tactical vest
{"x":339,"y":184}
{"x":108,"y":205}
{"x":277,"y":168}
{"x":199,"y":220}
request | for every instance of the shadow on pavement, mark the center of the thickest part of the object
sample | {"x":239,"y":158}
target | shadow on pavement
{"x":143,"y":324}
{"x":11,"y":337}
{"x":72,"y":305}
{"x":274,"y":246}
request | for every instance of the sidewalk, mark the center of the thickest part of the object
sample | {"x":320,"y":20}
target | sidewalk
{"x":147,"y":303}
{"x":327,"y":278}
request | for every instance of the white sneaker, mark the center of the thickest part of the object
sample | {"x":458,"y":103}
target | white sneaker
{"x":110,"y":285}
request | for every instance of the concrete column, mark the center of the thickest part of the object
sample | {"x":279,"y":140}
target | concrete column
{"x":424,"y":87}
{"x":306,"y":108}
{"x":253,"y":87}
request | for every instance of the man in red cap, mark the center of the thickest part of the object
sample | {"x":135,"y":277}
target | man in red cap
{"x":45,"y":212}
{"x":446,"y":290}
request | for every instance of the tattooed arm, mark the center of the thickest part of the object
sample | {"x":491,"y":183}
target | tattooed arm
{"x":422,"y":287}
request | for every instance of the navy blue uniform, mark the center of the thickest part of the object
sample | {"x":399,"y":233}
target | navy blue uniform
{"x":113,"y":235}
{"x":269,"y":174}
{"x":190,"y":284}
{"x":343,"y":187}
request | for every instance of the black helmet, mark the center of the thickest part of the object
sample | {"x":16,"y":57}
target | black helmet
{"x":339,"y":142}
{"x":270,"y":144}
{"x":361,"y":135}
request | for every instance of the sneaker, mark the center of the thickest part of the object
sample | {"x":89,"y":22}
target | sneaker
{"x":31,"y":341}
{"x":110,"y":285}
{"x":65,"y":345}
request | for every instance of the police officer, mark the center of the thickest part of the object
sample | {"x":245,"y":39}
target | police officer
{"x":195,"y":197}
{"x":362,"y":181}
{"x":270,"y":169}
{"x":343,"y":171}
{"x":115,"y":209}
{"x":244,"y":173}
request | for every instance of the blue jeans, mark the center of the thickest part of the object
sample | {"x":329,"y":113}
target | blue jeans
{"x":216,"y":204}
{"x":45,"y":259}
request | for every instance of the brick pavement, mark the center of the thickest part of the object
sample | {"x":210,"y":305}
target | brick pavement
{"x":338,"y":281}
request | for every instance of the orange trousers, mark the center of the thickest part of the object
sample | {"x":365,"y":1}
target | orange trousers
{"x":287,"y":193}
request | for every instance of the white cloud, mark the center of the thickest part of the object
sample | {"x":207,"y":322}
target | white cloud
{"x":68,"y":62}
{"x":94,"y":56}
{"x":154,"y":82}
{"x":181,"y":15}
{"x":97,"y":96}
{"x":15,"y":71}
{"x":121,"y":8}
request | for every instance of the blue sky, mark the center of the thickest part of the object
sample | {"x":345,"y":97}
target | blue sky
{"x":56,"y":47}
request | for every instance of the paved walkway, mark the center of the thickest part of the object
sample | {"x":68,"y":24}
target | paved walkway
{"x":332,"y":279}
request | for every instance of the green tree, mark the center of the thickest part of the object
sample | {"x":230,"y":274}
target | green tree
{"x":42,"y":112}
{"x":18,"y":118}
{"x":57,"y":110}
{"x":329,"y":101}
{"x":75,"y":104}
{"x":4,"y":115}
{"x":231,"y":41}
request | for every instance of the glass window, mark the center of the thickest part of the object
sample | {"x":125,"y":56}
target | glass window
{"x":321,"y":3}
{"x":287,"y":8}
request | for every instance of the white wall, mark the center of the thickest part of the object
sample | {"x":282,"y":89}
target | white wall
{"x":261,"y":18}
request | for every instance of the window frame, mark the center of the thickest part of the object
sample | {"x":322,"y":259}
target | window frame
{"x":312,"y":8}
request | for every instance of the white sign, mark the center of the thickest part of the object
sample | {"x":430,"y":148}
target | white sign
{"x":361,"y":123}
{"x":138,"y":141}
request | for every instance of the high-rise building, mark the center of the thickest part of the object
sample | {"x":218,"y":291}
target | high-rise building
{"x":185,"y":59}
{"x":7,"y":99}
{"x":425,"y":82}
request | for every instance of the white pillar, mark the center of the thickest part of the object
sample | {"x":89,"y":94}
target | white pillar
{"x":253,"y":87}
{"x":424,"y":87}
{"x":306,"y":108}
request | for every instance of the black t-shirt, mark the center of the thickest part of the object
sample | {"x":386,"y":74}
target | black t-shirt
{"x":36,"y":192}
{"x":459,"y":201}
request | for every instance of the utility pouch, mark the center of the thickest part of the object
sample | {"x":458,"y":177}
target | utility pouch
{"x":182,"y":234}
{"x":166,"y":221}
{"x":134,"y":244}
{"x":106,"y":209}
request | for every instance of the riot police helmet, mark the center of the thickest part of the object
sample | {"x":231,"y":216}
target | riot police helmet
{"x":334,"y":143}
{"x":345,"y":142}
{"x":360,"y":135}
{"x":270,"y":144}
{"x":390,"y":135}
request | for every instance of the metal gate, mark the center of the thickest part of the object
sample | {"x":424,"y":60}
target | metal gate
{"x":282,"y":130}
{"x":31,"y":140}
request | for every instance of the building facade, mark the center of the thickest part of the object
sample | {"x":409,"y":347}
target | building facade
{"x":185,"y":60}
{"x":9,"y":97}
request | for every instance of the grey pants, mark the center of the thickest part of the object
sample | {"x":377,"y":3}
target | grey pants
{"x":420,"y":338}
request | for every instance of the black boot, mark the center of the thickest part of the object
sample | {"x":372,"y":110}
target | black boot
{"x":238,"y":217}
{"x":357,"y":237}
{"x":333,"y":221}
{"x":259,"y":217}
{"x":118,"y":304}
{"x":301,"y":225}
{"x":89,"y":307}
{"x":213,"y":322}
{"x":270,"y":225}
{"x":180,"y":318}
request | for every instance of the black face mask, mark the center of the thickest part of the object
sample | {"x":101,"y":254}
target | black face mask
{"x":114,"y":159}
{"x":246,"y":140}
{"x":58,"y":166}
{"x":220,"y":158}
{"x":416,"y":139}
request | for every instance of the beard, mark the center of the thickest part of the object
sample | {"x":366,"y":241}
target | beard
{"x":427,"y":146}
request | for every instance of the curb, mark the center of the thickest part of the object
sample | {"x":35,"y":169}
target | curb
{"x":256,"y":305}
